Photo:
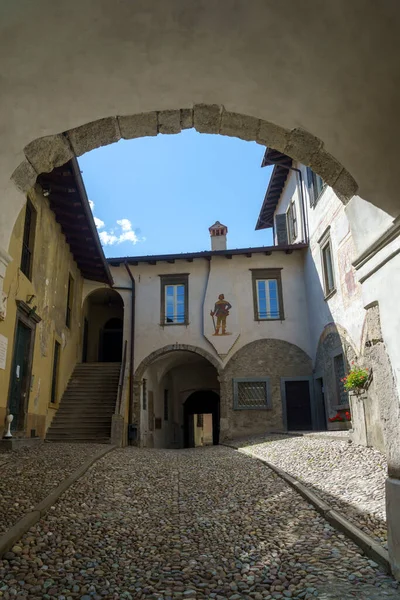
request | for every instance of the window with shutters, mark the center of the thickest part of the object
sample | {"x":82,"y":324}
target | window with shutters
{"x":267,"y":294}
{"x":54,"y":378}
{"x":28,"y":240}
{"x":315,"y":185}
{"x":174,"y":299}
{"x":327,"y":265}
{"x":251,"y":393}
{"x":70,"y":301}
{"x":281,"y":230}
{"x":291,"y":219}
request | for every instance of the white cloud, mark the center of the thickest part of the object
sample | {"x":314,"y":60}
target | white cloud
{"x":125,"y":224}
{"x":91,"y":204}
{"x":107,"y":239}
{"x":98,"y":222}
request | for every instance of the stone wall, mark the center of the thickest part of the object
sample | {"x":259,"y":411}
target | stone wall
{"x":334,"y":340}
{"x":263,"y":358}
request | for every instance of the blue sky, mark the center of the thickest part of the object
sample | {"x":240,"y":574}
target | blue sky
{"x":159,"y":195}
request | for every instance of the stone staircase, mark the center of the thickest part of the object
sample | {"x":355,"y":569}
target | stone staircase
{"x":87,"y":405}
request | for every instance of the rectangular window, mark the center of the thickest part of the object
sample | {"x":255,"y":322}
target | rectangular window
{"x":267,"y":294}
{"x":251,"y":393}
{"x":315,"y":185}
{"x":28,"y":240}
{"x":166,"y":405}
{"x":200,"y":421}
{"x":340,"y":372}
{"x":174,"y":299}
{"x":144,"y":394}
{"x":70,"y":301}
{"x":54,"y":378}
{"x":292,"y":222}
{"x":327,"y":264}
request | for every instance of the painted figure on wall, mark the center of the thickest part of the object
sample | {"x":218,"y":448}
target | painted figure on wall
{"x":221,"y":311}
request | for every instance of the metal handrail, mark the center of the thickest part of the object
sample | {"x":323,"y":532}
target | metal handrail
{"x":121,"y":380}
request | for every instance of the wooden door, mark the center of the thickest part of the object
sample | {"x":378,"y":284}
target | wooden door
{"x":298,"y":405}
{"x":20,"y":376}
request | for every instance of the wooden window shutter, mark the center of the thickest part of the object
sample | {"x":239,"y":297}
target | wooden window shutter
{"x":281,"y":229}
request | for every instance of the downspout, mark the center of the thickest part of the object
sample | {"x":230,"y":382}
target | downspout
{"x":132,"y":346}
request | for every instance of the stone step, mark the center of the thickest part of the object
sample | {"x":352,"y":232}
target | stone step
{"x":95,"y":440}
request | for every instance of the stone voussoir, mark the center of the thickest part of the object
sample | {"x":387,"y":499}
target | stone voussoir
{"x":169,"y":121}
{"x":49,"y":152}
{"x":207,"y":118}
{"x":345,"y":186}
{"x":326,"y":166}
{"x":240,"y":126}
{"x":302,"y":145}
{"x":94,"y":135}
{"x":24,"y":176}
{"x":186,"y":118}
{"x":272,"y":136}
{"x":140,"y":125}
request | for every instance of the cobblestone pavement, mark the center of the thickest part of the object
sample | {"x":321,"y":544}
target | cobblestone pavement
{"x":185,"y":524}
{"x":29,"y":474}
{"x":350,"y":478}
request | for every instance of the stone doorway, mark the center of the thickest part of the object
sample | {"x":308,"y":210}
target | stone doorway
{"x":196,"y":410}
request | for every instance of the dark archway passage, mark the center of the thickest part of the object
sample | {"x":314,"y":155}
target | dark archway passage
{"x":202,"y":402}
{"x":103,"y":318}
{"x":111,"y":341}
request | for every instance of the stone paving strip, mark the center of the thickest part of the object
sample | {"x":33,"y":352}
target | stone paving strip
{"x":187,"y":524}
{"x":28,"y":475}
{"x":350,"y":478}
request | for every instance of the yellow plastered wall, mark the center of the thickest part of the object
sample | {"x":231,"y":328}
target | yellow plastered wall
{"x":51,"y":267}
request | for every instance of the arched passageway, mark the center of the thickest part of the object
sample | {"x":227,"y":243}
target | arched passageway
{"x":103,"y":317}
{"x":173,"y":387}
{"x":201,"y":416}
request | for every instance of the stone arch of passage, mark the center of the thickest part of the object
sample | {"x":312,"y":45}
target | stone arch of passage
{"x":165,"y":350}
{"x":101,"y":342}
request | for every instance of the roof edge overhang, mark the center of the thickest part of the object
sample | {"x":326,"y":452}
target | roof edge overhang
{"x":282,"y":165}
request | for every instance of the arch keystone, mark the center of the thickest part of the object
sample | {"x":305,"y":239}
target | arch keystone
{"x":94,"y":135}
{"x":207,"y":118}
{"x":187,"y":118}
{"x":140,"y":125}
{"x":49,"y":152}
{"x":169,"y":121}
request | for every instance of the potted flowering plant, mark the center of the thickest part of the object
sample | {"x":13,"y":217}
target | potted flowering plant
{"x":341,"y":415}
{"x":356,"y":379}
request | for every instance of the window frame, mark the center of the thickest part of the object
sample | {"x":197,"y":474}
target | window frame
{"x":174,"y":279}
{"x":70,"y":301}
{"x":28,"y":247}
{"x":268,"y":400}
{"x":337,"y":382}
{"x":265,"y":274}
{"x":312,"y":187}
{"x":324,"y":243}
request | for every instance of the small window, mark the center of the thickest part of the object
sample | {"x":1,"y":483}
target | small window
{"x":315,"y":185}
{"x":174,"y":299}
{"x":340,"y":373}
{"x":54,"y":378}
{"x":327,"y":265}
{"x":200,"y":421}
{"x":28,"y":240}
{"x":267,"y":294}
{"x":144,"y":394}
{"x":291,"y":218}
{"x":70,"y":301}
{"x":166,"y":405}
{"x":251,"y":393}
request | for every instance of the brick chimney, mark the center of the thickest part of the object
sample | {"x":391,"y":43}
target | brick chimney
{"x":218,"y":236}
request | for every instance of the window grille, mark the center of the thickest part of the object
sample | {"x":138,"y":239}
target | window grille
{"x":251,"y":393}
{"x":340,"y":372}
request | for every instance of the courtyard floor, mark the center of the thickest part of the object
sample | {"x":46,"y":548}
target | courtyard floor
{"x":183,"y":524}
{"x":350,"y":478}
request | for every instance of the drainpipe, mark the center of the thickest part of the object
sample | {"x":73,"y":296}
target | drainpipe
{"x":132,"y":345}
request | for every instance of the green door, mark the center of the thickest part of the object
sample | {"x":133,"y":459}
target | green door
{"x":20,"y":376}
